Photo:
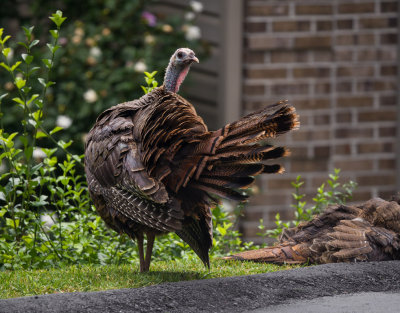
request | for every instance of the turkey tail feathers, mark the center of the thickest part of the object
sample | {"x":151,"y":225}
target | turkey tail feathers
{"x":232,"y":155}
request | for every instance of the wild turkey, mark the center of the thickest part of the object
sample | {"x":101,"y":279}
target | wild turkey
{"x":367,"y":232}
{"x":152,"y":165}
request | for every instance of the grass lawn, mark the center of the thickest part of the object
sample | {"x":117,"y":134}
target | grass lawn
{"x":21,"y":283}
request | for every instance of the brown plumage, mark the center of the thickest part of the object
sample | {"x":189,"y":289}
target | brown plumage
{"x":367,"y":232}
{"x":152,"y":165}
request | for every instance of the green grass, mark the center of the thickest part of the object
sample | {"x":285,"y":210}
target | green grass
{"x":21,"y":283}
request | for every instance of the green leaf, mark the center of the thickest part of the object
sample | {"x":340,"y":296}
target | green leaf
{"x":57,"y":18}
{"x":18,"y":100}
{"x":19,"y":82}
{"x":24,"y":45}
{"x":5,"y":66}
{"x":34,"y":96}
{"x":15,"y":66}
{"x":33,"y":43}
{"x":48,"y":63}
{"x":54,"y":33}
{"x":52,"y":48}
{"x":6,"y":51}
{"x":55,"y":130}
{"x":3,"y":96}
{"x":3,"y":41}
{"x":42,"y":81}
{"x":27,"y":58}
{"x":28,"y":152}
{"x":40,"y":134}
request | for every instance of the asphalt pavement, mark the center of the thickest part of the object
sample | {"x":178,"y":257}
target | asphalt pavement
{"x":340,"y":288}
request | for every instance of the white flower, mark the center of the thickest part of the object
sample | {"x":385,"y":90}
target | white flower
{"x":189,"y":16}
{"x":90,"y":96}
{"x":38,"y":154}
{"x":140,"y":66}
{"x":10,"y":54}
{"x":63,"y":121}
{"x":95,"y":52}
{"x":48,"y":220}
{"x":192,"y":32}
{"x":197,"y":6}
{"x":149,"y":39}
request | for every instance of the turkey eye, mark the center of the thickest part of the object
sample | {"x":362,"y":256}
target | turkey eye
{"x":180,"y":54}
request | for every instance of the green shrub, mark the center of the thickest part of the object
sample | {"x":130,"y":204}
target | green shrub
{"x":107,"y":45}
{"x":46,"y":219}
{"x":337,"y":193}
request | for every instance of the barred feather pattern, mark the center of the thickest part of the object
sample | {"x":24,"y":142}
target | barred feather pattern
{"x":366,"y":232}
{"x":153,"y":166}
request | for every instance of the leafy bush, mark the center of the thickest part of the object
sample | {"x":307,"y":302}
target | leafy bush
{"x":46,"y":219}
{"x":336,"y":194}
{"x":107,"y":45}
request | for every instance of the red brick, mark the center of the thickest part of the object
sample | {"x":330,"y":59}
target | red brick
{"x":388,"y":100}
{"x":254,"y":90}
{"x":360,"y":39}
{"x":343,"y":117}
{"x":322,"y":88}
{"x":375,"y":147}
{"x":288,"y":56}
{"x":343,"y":149}
{"x":388,"y":70}
{"x":291,"y":26}
{"x":355,"y":101}
{"x":376,"y":180}
{"x":355,"y":71}
{"x":388,"y":39}
{"x":313,"y":42}
{"x":311,"y":72}
{"x":323,"y":55}
{"x":324,"y":25}
{"x":255,"y":27}
{"x":313,"y":103}
{"x":387,"y":164}
{"x":344,"y":55}
{"x":377,"y":116}
{"x":279,"y":183}
{"x":353,"y":132}
{"x":351,"y":8}
{"x":323,"y":119}
{"x":378,"y":22}
{"x":387,"y":132}
{"x":344,"y":86}
{"x":268,"y":43}
{"x":354,"y":165}
{"x":309,"y":165}
{"x":376,"y":85}
{"x":344,"y":24}
{"x":289,"y":89}
{"x":254,"y":57}
{"x":311,"y":135}
{"x":265,"y":73}
{"x":314,"y":9}
{"x":389,"y":6}
{"x":322,"y":152}
{"x":267,"y":10}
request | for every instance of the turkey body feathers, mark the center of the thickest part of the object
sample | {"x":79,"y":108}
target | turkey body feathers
{"x":367,"y":232}
{"x":152,"y":166}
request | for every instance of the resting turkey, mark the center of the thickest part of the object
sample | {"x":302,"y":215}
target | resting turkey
{"x":153,"y":167}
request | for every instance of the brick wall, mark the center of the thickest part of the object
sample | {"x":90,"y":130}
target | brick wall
{"x":336,"y":61}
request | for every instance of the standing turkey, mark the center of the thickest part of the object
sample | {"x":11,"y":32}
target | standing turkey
{"x":366,"y":232}
{"x":152,"y":165}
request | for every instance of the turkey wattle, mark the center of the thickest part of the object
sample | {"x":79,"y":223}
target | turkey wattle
{"x":152,"y":165}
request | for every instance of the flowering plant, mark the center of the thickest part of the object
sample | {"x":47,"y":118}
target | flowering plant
{"x":107,"y":45}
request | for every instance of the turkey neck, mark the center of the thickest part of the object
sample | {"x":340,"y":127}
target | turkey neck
{"x":174,"y":76}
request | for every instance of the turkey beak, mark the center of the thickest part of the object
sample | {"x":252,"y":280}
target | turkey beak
{"x":194,"y":59}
